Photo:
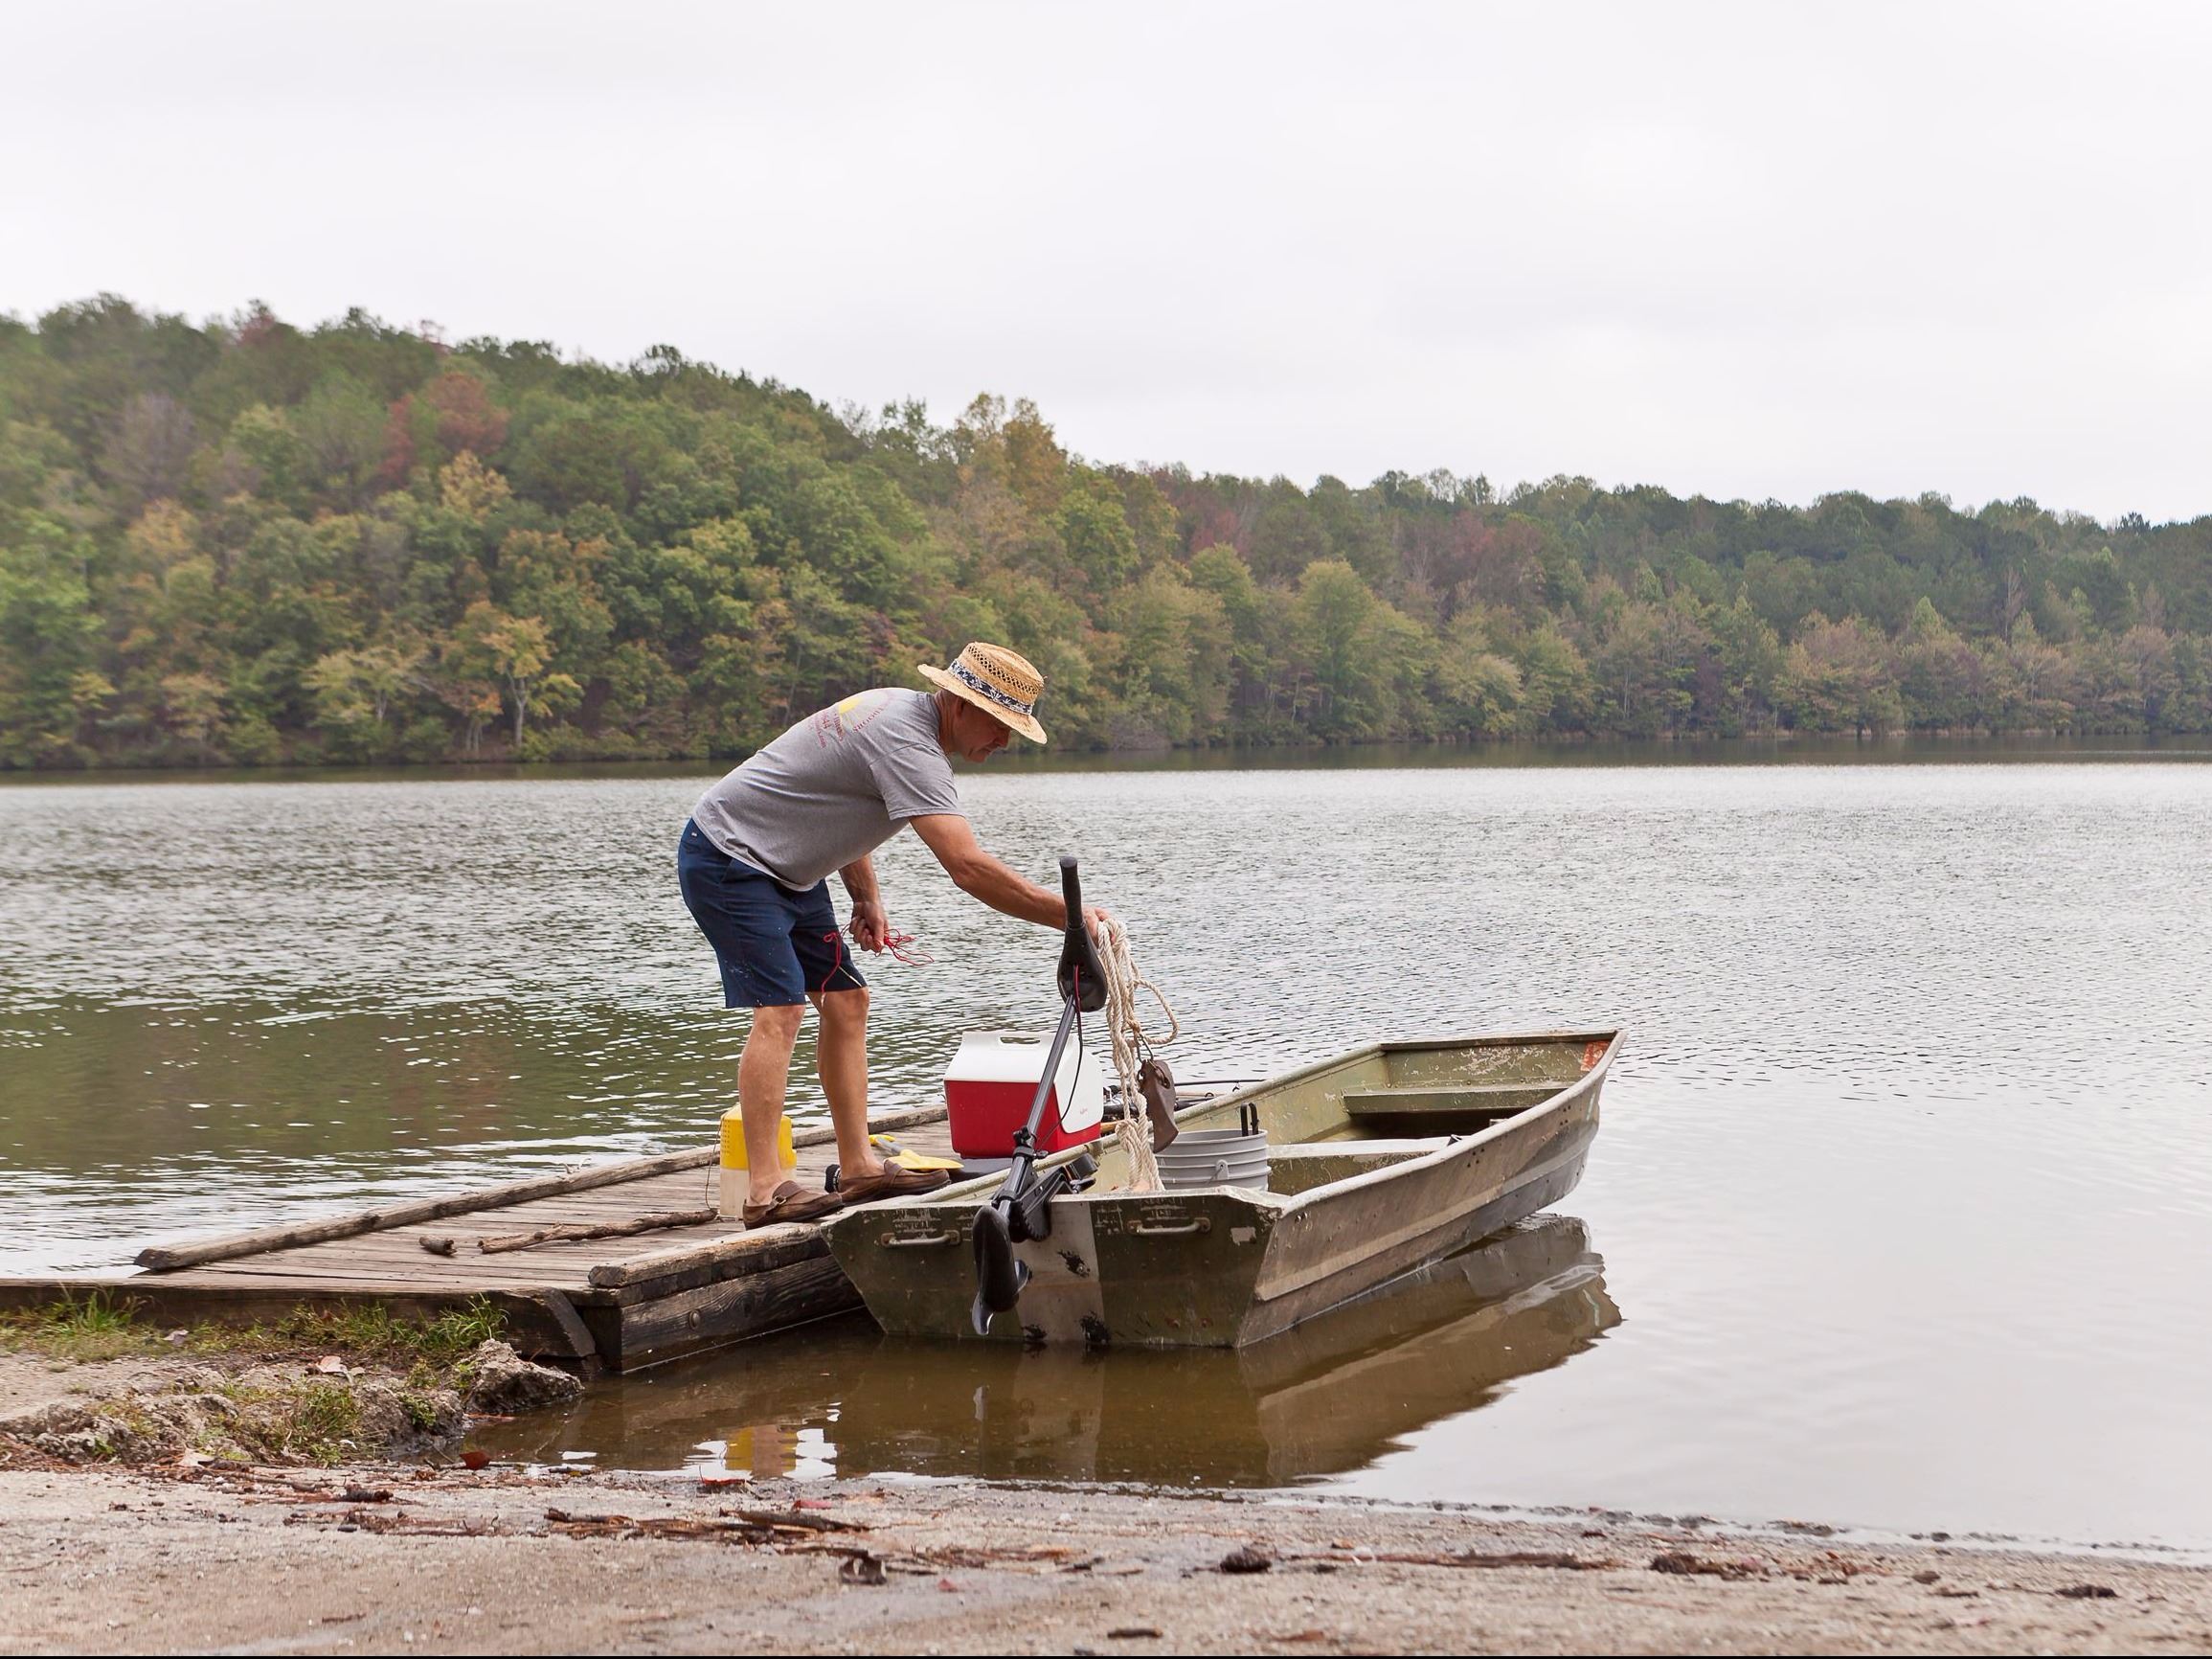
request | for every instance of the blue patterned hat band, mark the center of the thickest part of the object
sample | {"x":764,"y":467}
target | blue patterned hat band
{"x":975,"y":682}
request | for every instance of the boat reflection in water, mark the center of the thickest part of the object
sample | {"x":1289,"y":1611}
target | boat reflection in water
{"x":1332,"y":1394}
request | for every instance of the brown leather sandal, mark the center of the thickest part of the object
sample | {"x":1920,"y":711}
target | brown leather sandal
{"x":896,"y":1181}
{"x":792,"y":1202}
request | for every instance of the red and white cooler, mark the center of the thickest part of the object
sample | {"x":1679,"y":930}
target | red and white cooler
{"x":992,"y":1080}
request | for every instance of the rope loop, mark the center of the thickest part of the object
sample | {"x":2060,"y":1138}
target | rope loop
{"x":1132,"y":1043}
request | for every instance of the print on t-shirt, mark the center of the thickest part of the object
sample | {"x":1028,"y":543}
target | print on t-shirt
{"x":839,"y":720}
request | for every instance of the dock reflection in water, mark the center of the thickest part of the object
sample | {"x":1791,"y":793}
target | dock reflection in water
{"x":1329,"y":1397}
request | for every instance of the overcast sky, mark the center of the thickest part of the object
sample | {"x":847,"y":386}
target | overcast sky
{"x":1749,"y":251}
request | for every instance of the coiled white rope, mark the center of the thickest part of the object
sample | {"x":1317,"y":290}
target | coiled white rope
{"x":1132,"y":1042}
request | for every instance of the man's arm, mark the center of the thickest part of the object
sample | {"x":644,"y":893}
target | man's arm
{"x":979,"y":875}
{"x":870,"y":925}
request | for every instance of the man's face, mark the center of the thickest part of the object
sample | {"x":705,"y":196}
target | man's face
{"x":976,"y":735}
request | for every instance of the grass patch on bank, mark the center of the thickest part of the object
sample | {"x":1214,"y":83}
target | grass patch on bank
{"x":369,"y":1331}
{"x":106,"y":1326}
{"x":85,"y":1328}
{"x":317,"y":1422}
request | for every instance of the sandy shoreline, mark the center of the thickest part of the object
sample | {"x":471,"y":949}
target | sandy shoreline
{"x":390,"y":1559}
{"x":131,"y":1520}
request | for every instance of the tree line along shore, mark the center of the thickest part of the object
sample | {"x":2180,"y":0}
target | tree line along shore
{"x":247,"y":542}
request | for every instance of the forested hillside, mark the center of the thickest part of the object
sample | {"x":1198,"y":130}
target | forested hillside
{"x":250,"y":542}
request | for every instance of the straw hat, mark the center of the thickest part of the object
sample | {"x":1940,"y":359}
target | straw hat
{"x":996,"y":680}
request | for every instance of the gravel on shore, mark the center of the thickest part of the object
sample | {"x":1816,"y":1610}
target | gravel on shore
{"x":370,"y":1559}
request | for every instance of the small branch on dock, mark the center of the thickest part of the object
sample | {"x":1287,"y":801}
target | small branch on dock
{"x":577,"y":1231}
{"x":438,"y":1246}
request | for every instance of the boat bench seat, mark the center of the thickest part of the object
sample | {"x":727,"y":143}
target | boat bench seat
{"x":1434,"y":1107}
{"x":1309,"y":1164}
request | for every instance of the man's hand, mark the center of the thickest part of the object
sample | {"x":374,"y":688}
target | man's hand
{"x":1095,"y":917}
{"x":870,"y":927}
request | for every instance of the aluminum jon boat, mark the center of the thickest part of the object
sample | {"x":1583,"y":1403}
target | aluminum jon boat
{"x":1378,"y":1162}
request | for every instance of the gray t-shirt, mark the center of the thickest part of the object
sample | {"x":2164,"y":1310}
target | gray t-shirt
{"x":835,"y":786}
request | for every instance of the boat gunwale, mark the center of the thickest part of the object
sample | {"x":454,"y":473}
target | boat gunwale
{"x":1456,"y":1146}
{"x":1452,"y":1146}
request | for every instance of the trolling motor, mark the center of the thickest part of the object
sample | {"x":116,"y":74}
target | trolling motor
{"x":1021,"y":1210}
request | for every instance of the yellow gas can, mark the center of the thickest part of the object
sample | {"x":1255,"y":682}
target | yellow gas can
{"x":735,"y":1164}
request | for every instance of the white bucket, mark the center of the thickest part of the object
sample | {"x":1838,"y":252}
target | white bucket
{"x":1214,"y":1158}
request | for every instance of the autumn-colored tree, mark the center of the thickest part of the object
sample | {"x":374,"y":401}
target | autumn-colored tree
{"x":518,"y":653}
{"x":1840,"y":677}
{"x":452,"y":413}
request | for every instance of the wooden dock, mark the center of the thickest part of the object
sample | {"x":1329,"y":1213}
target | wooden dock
{"x":605,"y":1304}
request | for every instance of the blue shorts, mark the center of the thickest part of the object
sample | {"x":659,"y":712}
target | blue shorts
{"x":775,"y":946}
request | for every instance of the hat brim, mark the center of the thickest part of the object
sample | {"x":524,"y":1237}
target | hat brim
{"x":1025,"y":724}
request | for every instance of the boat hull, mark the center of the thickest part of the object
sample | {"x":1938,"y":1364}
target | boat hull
{"x":1227,"y":1266}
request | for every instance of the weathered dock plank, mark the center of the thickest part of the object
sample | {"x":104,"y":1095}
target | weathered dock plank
{"x":168,"y":1257}
{"x":617,"y":1303}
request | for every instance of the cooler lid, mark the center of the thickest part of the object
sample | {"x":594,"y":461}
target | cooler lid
{"x":1018,"y":1056}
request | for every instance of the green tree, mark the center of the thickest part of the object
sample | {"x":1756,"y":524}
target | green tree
{"x":357,"y":692}
{"x":49,"y":678}
{"x":1095,"y":530}
{"x":1477,"y":689}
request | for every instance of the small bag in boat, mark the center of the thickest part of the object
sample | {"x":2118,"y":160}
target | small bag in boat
{"x":1156,"y":1083}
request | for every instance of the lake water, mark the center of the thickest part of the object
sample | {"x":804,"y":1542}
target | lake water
{"x":1898,"y":1218}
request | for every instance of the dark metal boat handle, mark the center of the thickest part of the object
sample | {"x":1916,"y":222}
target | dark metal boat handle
{"x":1172,"y":1229}
{"x":920,"y":1241}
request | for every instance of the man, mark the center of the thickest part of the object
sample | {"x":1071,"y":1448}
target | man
{"x":754,"y":864}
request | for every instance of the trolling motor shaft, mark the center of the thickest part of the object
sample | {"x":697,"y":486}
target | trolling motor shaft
{"x":1021,"y":1210}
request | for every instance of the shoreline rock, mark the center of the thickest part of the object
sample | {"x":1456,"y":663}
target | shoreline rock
{"x":502,"y":1383}
{"x":158,"y":1411}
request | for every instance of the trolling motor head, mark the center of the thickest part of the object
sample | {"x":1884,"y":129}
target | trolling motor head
{"x":1021,"y":1210}
{"x":1080,"y":977}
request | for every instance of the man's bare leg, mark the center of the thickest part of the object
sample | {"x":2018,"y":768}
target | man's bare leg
{"x":763,"y":1073}
{"x":841,"y":1058}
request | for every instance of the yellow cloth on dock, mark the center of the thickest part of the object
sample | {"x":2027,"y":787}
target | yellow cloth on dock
{"x":909,"y":1159}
